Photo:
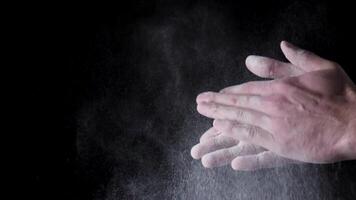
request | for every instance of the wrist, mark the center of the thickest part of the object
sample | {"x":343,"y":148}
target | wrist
{"x":347,"y":147}
{"x":352,"y":134}
{"x":350,"y":141}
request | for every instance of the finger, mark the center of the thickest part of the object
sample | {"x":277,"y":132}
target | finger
{"x":270,"y":68}
{"x":246,"y":101}
{"x":305,"y":60}
{"x":225,"y":156}
{"x":266,"y":159}
{"x":212,"y":132}
{"x":212,"y":144}
{"x":247,"y":133}
{"x":241,"y":115}
{"x":252,"y":87}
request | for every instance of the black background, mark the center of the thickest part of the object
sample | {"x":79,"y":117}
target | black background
{"x":111,"y":96}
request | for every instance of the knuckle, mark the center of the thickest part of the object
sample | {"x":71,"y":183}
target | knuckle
{"x":202,"y":138}
{"x":275,"y":98}
{"x":284,"y":147}
{"x":214,"y":107}
{"x":276,"y":126}
{"x":279,"y":99}
{"x":282,"y":86}
{"x":252,"y":100}
{"x":239,"y":114}
{"x":276,"y":102}
{"x":234,"y":101}
{"x":229,"y":128}
{"x":272,"y":70}
{"x":218,"y":141}
{"x":229,"y":153}
{"x":243,"y":149}
{"x":252,"y":131}
{"x":284,"y":142}
{"x":208,"y":161}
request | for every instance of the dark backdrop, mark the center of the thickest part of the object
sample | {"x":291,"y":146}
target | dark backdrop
{"x":114,"y":103}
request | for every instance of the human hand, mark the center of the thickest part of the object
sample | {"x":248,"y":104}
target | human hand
{"x":306,"y":114}
{"x":216,"y":149}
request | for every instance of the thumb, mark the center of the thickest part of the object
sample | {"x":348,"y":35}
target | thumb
{"x":270,"y":68}
{"x":305,"y":60}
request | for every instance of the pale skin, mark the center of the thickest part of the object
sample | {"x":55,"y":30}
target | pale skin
{"x":306,"y":114}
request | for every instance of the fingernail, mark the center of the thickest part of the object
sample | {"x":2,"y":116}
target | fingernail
{"x":194,"y":152}
{"x":200,"y":98}
{"x":201,"y":106}
{"x":235,"y":166}
{"x":203,"y":97}
{"x":289,"y":45}
{"x":207,"y":162}
{"x":253,"y":60}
